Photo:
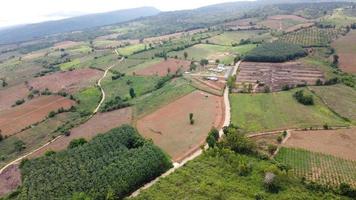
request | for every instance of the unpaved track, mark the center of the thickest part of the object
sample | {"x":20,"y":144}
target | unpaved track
{"x":94,"y":112}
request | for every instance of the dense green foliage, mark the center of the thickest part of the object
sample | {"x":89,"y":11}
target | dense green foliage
{"x":275,"y":52}
{"x":115,"y":104}
{"x":303,"y":99}
{"x":117,"y":162}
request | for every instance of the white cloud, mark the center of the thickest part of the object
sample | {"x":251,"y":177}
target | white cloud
{"x":13,"y":12}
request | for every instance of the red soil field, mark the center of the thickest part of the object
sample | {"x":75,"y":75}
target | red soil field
{"x":14,"y":120}
{"x":341,"y":143}
{"x":170,"y":129}
{"x":100,"y":123}
{"x":69,"y":81}
{"x":10,"y":179}
{"x":9,"y":96}
{"x":162,"y":68}
{"x":346,"y":49}
{"x":293,"y":17}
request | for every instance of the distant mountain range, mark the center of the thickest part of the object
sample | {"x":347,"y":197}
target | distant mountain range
{"x":38,"y":30}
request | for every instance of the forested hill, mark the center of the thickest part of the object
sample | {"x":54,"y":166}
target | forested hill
{"x":32,"y":31}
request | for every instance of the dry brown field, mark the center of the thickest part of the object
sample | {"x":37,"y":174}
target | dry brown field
{"x":162,"y":68}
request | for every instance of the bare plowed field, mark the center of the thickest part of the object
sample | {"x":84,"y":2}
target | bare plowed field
{"x":346,"y":49}
{"x":277,"y":75}
{"x":340,"y":143}
{"x":20,"y":117}
{"x":162,"y":68}
{"x":10,"y":179}
{"x":100,"y":123}
{"x":10,"y":95}
{"x":170,"y":129}
{"x":69,"y":81}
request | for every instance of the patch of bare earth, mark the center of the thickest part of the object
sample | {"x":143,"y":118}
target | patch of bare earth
{"x":69,"y":81}
{"x":10,"y":95}
{"x":16,"y":119}
{"x":10,"y":179}
{"x":162,"y":68}
{"x":346,"y":49}
{"x":170,"y":128}
{"x":340,"y":143}
{"x":100,"y":123}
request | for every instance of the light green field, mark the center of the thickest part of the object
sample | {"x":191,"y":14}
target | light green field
{"x":228,"y":38}
{"x":339,"y":98}
{"x":106,"y":43}
{"x":119,"y":87}
{"x":225,"y":54}
{"x":323,"y":169}
{"x":324,"y":66}
{"x":68,"y":65}
{"x":274,"y":111}
{"x":129,"y":50}
{"x":89,"y":98}
{"x":169,"y":92}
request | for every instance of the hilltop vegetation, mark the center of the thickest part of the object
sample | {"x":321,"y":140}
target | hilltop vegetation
{"x":113,"y":164}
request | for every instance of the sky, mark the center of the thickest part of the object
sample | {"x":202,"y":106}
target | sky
{"x":15,"y":12}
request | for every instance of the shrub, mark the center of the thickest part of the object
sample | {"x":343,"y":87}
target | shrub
{"x":303,"y":99}
{"x":271,"y":149}
{"x":76,"y":143}
{"x":51,"y":114}
{"x":345,"y":189}
{"x":235,"y":140}
{"x":213,"y":137}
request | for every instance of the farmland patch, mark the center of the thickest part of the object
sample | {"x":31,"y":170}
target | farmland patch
{"x":169,"y":127}
{"x":346,"y":50}
{"x":163,"y":68}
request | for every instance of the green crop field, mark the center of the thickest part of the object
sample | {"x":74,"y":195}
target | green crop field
{"x":225,"y":54}
{"x":265,"y":112}
{"x":131,"y":68}
{"x":324,"y":169}
{"x":229,"y":38}
{"x":311,"y":37}
{"x":88,"y":99}
{"x":216,"y":176}
{"x":121,"y":88}
{"x":168,"y":93}
{"x":129,"y":50}
{"x":339,"y":98}
{"x":339,"y":18}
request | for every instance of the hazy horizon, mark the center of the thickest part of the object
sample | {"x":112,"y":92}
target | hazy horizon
{"x":11,"y":14}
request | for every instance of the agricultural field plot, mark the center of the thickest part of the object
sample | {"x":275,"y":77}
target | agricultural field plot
{"x":340,"y":143}
{"x":173,"y":36}
{"x":346,"y":50}
{"x":66,"y":44}
{"x":10,"y":179}
{"x":212,"y":87}
{"x":323,"y":169}
{"x":283,"y":22}
{"x":170,"y":92}
{"x":242,"y":24}
{"x":131,"y":49}
{"x":106,"y":44}
{"x":88,"y":99}
{"x":234,"y":37}
{"x":129,"y":66}
{"x":10,"y":95}
{"x":100,"y":123}
{"x":170,"y":66}
{"x":279,"y":111}
{"x":170,"y":129}
{"x":20,"y":117}
{"x":276,"y":75}
{"x":212,"y":52}
{"x":312,"y":37}
{"x":121,"y":87}
{"x":339,"y":98}
{"x":69,"y":81}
